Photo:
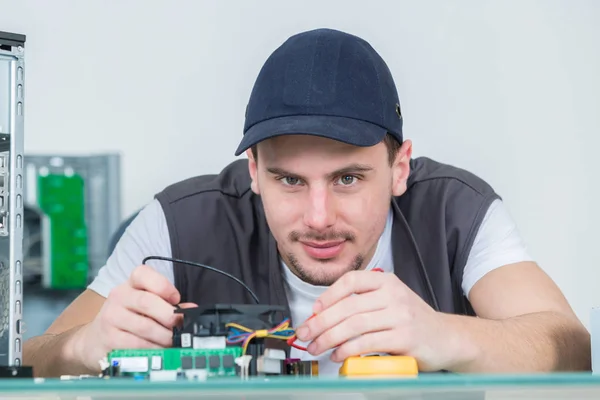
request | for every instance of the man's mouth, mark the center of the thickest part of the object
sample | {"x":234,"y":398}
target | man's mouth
{"x":323,"y":250}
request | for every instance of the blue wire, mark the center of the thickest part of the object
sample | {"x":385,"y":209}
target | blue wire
{"x":236,"y":335}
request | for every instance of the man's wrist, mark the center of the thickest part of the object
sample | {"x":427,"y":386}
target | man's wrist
{"x":460,"y":347}
{"x":73,"y":352}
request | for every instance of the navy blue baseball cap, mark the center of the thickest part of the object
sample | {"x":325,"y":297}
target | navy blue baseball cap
{"x":325,"y":83}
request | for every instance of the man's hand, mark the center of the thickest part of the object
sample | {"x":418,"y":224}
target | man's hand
{"x":367,"y":312}
{"x":137,"y":314}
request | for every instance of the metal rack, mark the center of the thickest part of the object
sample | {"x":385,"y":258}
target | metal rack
{"x":12,"y":74}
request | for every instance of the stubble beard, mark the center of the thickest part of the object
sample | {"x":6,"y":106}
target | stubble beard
{"x":320,"y":277}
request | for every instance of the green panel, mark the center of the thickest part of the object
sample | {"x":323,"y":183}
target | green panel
{"x":172,"y":357}
{"x":62,"y":199}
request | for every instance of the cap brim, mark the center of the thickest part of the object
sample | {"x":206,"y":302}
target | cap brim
{"x":351,"y":131}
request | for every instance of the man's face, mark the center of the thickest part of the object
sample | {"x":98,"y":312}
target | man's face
{"x":326,"y":202}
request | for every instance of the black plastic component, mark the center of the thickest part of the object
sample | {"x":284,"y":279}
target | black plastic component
{"x":16,"y":372}
{"x":114,"y":370}
{"x":200,"y":362}
{"x":291,"y":366}
{"x":228,"y":361}
{"x":295,"y":366}
{"x":214,"y":362}
{"x":256,"y":348}
{"x":12,"y":39}
{"x":4,"y":142}
{"x":210,"y":320}
{"x":187,"y":362}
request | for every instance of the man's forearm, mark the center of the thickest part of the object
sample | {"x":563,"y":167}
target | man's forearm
{"x":52,"y":355}
{"x":545,"y":341}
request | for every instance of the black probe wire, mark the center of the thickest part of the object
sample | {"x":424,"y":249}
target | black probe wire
{"x":195,"y":264}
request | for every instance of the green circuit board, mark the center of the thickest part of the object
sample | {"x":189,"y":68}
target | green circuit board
{"x":62,"y":199}
{"x":217,"y":362}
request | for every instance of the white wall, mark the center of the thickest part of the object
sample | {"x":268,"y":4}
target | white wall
{"x":507,"y":89}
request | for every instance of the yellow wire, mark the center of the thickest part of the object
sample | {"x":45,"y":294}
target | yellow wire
{"x":238,"y":326}
{"x":261,"y":333}
{"x":284,"y":326}
{"x":246,"y":342}
{"x":280,"y":336}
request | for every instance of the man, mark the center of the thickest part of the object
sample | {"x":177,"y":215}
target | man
{"x":329,"y":193}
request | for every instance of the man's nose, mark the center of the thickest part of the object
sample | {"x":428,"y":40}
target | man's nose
{"x":320,"y":211}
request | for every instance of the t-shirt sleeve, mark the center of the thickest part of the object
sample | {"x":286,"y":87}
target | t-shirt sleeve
{"x":147,"y":235}
{"x":498,"y":242}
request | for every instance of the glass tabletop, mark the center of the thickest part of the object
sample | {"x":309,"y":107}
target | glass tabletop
{"x":427,"y":386}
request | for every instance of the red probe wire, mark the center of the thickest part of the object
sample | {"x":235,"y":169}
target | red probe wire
{"x":291,"y":340}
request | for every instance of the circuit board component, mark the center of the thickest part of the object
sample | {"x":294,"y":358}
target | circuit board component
{"x":221,"y":340}
{"x":295,"y":366}
{"x":204,"y":362}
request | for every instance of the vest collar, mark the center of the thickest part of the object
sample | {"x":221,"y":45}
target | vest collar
{"x":408,"y":264}
{"x":277,"y":294}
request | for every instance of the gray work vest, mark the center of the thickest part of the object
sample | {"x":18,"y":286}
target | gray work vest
{"x":218,"y":221}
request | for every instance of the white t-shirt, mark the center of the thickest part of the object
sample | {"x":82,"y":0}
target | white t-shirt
{"x":497,"y":243}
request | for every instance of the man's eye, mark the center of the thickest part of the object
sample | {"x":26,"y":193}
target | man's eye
{"x":347,"y":179}
{"x":290,"y":180}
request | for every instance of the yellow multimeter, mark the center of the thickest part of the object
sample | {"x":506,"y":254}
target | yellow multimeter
{"x":384,"y":366}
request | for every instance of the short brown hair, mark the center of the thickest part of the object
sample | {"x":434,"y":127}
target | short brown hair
{"x":393,"y":146}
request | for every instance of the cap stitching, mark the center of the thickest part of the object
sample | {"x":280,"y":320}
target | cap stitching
{"x":312,"y":67}
{"x":381,"y":98}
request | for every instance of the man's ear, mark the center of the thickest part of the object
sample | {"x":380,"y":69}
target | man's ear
{"x":401,"y":168}
{"x":253,"y":169}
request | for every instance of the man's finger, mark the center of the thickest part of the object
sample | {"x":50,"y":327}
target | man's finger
{"x":152,"y":306}
{"x":354,"y":282}
{"x":179,"y":316}
{"x":145,"y":328}
{"x":385,"y":341}
{"x":146,"y":278}
{"x":340,"y":311}
{"x":353,"y":327}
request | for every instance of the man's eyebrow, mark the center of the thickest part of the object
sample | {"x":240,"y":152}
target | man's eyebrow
{"x":279,"y":171}
{"x":350,"y":169}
